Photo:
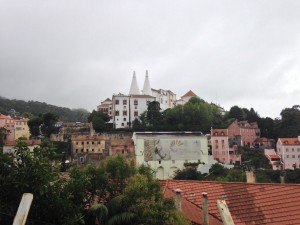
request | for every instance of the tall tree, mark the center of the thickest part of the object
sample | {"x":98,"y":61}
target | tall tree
{"x":154,"y":116}
{"x":236,"y":113}
{"x":290,"y":122}
{"x":98,"y":120}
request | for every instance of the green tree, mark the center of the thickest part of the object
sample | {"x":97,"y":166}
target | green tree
{"x":98,"y":120}
{"x":154,"y":116}
{"x":34,"y":126}
{"x":290,"y":122}
{"x":27,"y":172}
{"x":188,"y":173}
{"x":143,"y":198}
{"x":236,"y":113}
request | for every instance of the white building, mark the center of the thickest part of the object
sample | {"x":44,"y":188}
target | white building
{"x":124,"y":109}
{"x":166,"y":152}
{"x":289,"y":151}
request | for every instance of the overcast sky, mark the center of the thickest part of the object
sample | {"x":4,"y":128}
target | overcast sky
{"x":78,"y":53}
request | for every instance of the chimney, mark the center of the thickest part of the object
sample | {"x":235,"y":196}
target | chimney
{"x":178,"y":199}
{"x":205,"y":209}
{"x":250,"y":177}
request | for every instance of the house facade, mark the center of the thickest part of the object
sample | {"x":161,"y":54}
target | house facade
{"x":242,"y":133}
{"x":8,"y":123}
{"x":289,"y":151}
{"x":222,"y":150}
{"x":88,"y":149}
{"x":166,"y":152}
{"x":22,"y":128}
{"x":123,"y":109}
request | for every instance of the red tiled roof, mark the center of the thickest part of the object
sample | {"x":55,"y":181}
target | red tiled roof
{"x":289,"y":141}
{"x":194,"y":212}
{"x":219,"y":131}
{"x":274,"y":156}
{"x":248,"y":203}
{"x":189,"y":94}
{"x":118,"y":141}
{"x":262,"y":139}
{"x":4,"y":117}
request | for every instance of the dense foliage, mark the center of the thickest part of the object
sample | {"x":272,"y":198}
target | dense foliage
{"x":115,"y":192}
{"x":34,"y":107}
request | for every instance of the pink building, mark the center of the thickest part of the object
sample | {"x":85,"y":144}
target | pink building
{"x":122,"y":146}
{"x":274,"y":159}
{"x":8,"y":123}
{"x":263,"y":143}
{"x":289,"y":151}
{"x":222,"y":150}
{"x":243,"y":133}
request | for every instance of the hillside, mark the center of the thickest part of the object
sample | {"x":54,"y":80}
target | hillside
{"x":35,"y":107}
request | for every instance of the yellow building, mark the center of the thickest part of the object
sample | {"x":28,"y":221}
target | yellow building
{"x":22,"y":129}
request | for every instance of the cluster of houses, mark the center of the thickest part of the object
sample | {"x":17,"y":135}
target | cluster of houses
{"x":123,"y":109}
{"x":13,"y":129}
{"x":166,"y":152}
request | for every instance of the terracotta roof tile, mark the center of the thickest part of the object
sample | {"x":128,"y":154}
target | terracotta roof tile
{"x":219,"y":131}
{"x":289,"y":141}
{"x":189,"y":94}
{"x":258,"y":203}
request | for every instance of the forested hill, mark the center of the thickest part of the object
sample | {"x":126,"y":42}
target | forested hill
{"x":35,"y":107}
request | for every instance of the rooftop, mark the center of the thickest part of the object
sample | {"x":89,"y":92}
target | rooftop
{"x":289,"y":141}
{"x":189,"y":94}
{"x":248,"y":203}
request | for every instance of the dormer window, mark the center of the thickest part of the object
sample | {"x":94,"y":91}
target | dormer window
{"x":216,"y":133}
{"x":222,"y":133}
{"x":285,"y":142}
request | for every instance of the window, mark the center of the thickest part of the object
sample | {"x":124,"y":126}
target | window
{"x":87,"y":142}
{"x":76,"y":142}
{"x":124,"y":102}
{"x":135,"y":102}
{"x":124,"y":119}
{"x":136,"y":113}
{"x":76,"y":150}
{"x":223,"y":153}
{"x":92,"y":149}
{"x":287,"y":156}
{"x":81,"y":159}
{"x":216,"y":141}
{"x":217,"y":146}
{"x":293,"y":156}
{"x":223,"y":141}
{"x":298,"y":149}
{"x":122,"y":124}
{"x":81,"y":150}
{"x":222,"y":133}
{"x":125,"y":113}
{"x":216,"y":133}
{"x":298,"y":156}
{"x":117,"y":102}
{"x":117,"y":113}
{"x":92,"y":142}
{"x":287,"y":150}
{"x":82,"y":142}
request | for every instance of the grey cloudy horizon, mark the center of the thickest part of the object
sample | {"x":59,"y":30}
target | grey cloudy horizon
{"x":78,"y":53}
